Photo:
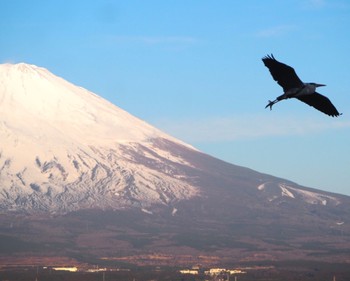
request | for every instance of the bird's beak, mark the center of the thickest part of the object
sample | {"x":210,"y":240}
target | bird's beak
{"x":320,"y":85}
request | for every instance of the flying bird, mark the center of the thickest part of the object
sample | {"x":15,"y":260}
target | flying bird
{"x":293,"y":87}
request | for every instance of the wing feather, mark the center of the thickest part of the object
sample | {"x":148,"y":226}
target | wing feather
{"x":321,"y":103}
{"x":285,"y":75}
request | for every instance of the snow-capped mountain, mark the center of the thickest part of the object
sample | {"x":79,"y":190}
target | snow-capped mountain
{"x":64,"y":148}
{"x":119,"y":186}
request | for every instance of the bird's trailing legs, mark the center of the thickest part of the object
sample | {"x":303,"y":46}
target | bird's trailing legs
{"x":279,"y":98}
{"x":271,"y":103}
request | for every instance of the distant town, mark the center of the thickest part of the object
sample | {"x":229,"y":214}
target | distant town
{"x":111,"y":273}
{"x":193,"y":273}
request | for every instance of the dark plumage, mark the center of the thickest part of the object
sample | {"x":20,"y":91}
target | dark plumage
{"x":293,"y":87}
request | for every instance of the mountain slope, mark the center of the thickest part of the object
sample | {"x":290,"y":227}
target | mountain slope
{"x":65,"y":148}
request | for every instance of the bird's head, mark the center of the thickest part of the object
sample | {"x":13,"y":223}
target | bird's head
{"x":317,"y":85}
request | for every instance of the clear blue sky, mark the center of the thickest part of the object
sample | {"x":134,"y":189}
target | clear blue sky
{"x":193,"y":69}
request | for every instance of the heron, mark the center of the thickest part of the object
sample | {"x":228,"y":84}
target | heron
{"x":293,"y":87}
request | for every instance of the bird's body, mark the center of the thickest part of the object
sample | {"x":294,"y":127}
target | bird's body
{"x":293,"y":87}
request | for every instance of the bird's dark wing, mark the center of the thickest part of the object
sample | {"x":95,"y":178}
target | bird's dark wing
{"x":321,"y":103}
{"x":282,"y":73}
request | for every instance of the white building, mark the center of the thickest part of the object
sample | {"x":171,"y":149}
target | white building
{"x":70,"y":269}
{"x":189,"y":271}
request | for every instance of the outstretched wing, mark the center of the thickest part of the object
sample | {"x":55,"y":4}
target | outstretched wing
{"x":282,"y":73}
{"x":321,"y":103}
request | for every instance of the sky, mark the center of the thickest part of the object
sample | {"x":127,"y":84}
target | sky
{"x":193,"y":69}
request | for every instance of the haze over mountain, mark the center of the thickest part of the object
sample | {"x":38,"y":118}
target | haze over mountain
{"x":119,"y":186}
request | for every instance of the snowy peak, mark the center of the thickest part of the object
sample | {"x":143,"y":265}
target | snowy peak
{"x":32,"y":92}
{"x":22,"y":68}
{"x":63,"y":144}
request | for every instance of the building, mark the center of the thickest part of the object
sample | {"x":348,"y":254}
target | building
{"x":70,"y":269}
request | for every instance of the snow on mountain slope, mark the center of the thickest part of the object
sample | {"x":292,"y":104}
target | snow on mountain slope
{"x":64,"y":148}
{"x":310,"y":197}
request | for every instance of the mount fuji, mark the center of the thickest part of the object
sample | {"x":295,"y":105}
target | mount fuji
{"x":95,"y":181}
{"x":64,"y":148}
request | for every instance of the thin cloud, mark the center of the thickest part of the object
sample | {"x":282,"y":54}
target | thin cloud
{"x":275,"y":31}
{"x":220,"y":129}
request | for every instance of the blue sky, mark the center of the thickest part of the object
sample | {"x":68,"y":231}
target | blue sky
{"x":193,"y":69}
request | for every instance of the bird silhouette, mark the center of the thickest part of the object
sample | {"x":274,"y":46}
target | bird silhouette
{"x":293,"y":87}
